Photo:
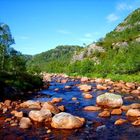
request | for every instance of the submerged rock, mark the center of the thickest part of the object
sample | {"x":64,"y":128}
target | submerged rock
{"x":136,"y":123}
{"x":74,"y":98}
{"x":56,"y":100}
{"x":92,"y":108}
{"x":116,"y":112}
{"x":110,"y":100}
{"x":66,"y":121}
{"x":88,"y":96}
{"x":104,"y":114}
{"x":120,"y":121}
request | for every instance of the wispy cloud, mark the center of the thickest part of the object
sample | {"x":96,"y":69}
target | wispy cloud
{"x":112,"y":17}
{"x":124,"y":6}
{"x":85,"y":39}
{"x":88,"y":35}
{"x":91,"y":35}
{"x":23,"y":37}
{"x":65,"y":32}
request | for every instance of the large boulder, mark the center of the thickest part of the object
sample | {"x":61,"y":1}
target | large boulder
{"x":66,"y":121}
{"x":25,"y":122}
{"x":40,"y":116}
{"x":30,"y":104}
{"x":109,"y":100}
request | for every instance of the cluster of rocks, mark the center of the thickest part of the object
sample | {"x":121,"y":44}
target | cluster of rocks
{"x":40,"y":112}
{"x":111,"y":104}
{"x":113,"y":87}
{"x":107,"y":104}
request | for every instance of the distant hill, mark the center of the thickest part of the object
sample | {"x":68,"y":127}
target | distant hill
{"x":54,"y":60}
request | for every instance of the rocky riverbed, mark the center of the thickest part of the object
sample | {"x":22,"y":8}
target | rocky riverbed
{"x":74,"y":108}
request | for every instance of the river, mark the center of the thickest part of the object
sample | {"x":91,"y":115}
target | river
{"x":94,"y":128}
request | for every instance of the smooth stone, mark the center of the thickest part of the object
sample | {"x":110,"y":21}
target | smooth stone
{"x":65,"y":120}
{"x":7,"y":103}
{"x":110,"y":100}
{"x":101,"y":87}
{"x":56,"y":100}
{"x":120,"y":121}
{"x":17,"y":114}
{"x":104,"y":114}
{"x":61,"y":107}
{"x":133,"y":113}
{"x":50,"y":106}
{"x":30,"y":104}
{"x":85,"y":87}
{"x":88,"y":96}
{"x":136,"y":123}
{"x":25,"y":123}
{"x":40,"y":116}
{"x":116,"y":112}
{"x":74,"y":98}
{"x":92,"y":108}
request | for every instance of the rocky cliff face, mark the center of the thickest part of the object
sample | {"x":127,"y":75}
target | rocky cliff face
{"x":88,"y":52}
{"x":130,"y":22}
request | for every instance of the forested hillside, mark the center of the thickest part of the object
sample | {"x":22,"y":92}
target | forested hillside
{"x":54,"y":60}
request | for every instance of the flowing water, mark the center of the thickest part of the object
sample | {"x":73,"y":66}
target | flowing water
{"x":94,"y":128}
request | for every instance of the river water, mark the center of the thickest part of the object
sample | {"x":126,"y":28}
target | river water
{"x":94,"y":128}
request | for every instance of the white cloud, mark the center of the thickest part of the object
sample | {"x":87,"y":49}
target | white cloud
{"x":65,"y":32}
{"x":85,"y":40}
{"x":88,"y":35}
{"x":112,"y":17}
{"x":91,"y":35}
{"x":23,"y":37}
{"x":124,"y":6}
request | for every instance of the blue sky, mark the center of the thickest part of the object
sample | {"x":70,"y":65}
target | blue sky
{"x":40,"y":25}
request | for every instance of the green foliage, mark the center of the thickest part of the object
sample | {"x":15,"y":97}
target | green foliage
{"x":13,"y":72}
{"x":55,"y":60}
{"x":21,"y":80}
{"x":82,"y":67}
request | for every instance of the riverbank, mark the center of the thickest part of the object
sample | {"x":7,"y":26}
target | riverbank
{"x":18,"y":85}
{"x":77,"y":100}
